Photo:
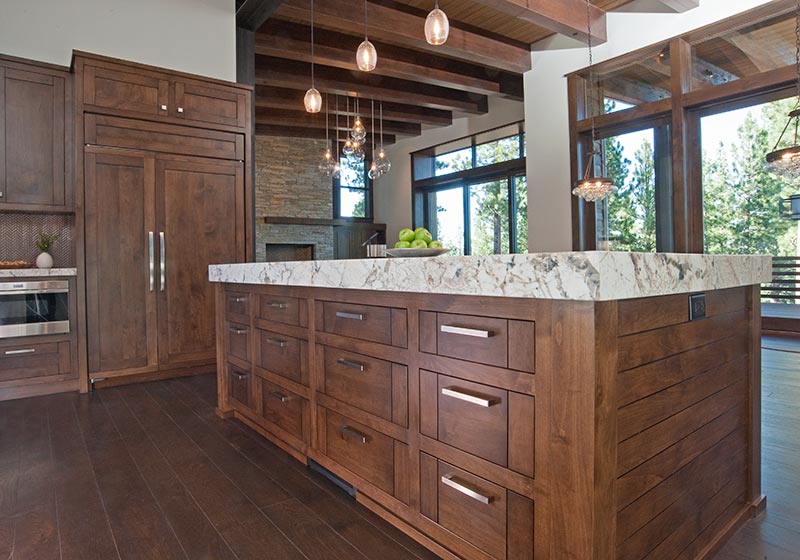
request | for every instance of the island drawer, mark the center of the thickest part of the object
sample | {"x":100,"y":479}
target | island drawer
{"x":282,"y":309}
{"x":491,"y":423}
{"x":491,"y":518}
{"x":283,"y":355}
{"x":240,"y":386}
{"x":384,"y":325}
{"x":375,"y":386}
{"x":285,"y":409}
{"x":34,"y":360}
{"x":237,"y":341}
{"x":486,"y":340}
{"x":237,"y":304}
{"x":362,"y":450}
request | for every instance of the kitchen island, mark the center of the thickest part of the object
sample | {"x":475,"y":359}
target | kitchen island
{"x":567,"y":405}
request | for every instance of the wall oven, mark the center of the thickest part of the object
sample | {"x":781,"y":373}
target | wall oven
{"x":34,"y":308}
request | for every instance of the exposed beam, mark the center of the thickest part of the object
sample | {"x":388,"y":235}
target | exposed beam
{"x":251,"y":14}
{"x":290,"y":40}
{"x":291,"y":74}
{"x":658,"y":6}
{"x":567,"y":17}
{"x":304,"y":120}
{"x":291,"y":100}
{"x":299,"y":132}
{"x":403,"y":29}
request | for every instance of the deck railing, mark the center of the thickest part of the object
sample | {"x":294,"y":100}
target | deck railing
{"x":785,"y":285}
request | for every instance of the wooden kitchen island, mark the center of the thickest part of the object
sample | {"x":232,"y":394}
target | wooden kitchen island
{"x":551,"y":406}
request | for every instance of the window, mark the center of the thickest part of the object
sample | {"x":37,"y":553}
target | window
{"x":472,"y":193}
{"x":353,"y":190}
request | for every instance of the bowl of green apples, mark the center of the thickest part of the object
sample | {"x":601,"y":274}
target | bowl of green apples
{"x":416,"y":243}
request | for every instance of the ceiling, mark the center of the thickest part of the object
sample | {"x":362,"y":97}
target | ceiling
{"x":419,"y":85}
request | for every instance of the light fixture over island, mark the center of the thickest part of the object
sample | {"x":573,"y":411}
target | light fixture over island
{"x":560,"y":405}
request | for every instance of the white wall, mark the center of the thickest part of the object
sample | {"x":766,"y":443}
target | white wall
{"x":196,"y":36}
{"x":392,"y":200}
{"x":546,"y":109}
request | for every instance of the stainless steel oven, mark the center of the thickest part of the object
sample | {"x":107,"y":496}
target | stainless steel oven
{"x":33,"y":308}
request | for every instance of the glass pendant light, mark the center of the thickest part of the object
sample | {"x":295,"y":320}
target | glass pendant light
{"x":437,"y":26}
{"x":384,"y":165}
{"x":785,"y":162}
{"x":358,"y":132}
{"x":373,"y":172}
{"x":366,"y":55}
{"x":591,"y":188}
{"x":327,"y":165}
{"x":337,"y":170}
{"x":312,"y":99}
{"x":349,"y":145}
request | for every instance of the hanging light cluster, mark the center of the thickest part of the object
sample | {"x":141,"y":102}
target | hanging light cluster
{"x":786,"y":161}
{"x":592,"y":188}
{"x":437,"y":26}
{"x":312,"y":99}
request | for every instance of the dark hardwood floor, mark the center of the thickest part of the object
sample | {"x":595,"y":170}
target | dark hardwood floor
{"x":148,"y":471}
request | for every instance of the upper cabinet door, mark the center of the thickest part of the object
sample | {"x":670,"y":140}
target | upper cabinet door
{"x":32,"y":139}
{"x":141,"y":93}
{"x":196,"y":101}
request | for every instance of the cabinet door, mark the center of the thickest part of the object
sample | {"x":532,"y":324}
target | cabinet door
{"x":200,"y":214}
{"x":120,"y":272}
{"x":32,"y":131}
{"x":142,"y":93}
{"x":199,"y":102}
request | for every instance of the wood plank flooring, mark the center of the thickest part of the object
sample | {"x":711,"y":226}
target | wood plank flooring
{"x":148,"y":471}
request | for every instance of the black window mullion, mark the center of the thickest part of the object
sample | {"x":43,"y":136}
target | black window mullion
{"x":467,"y":220}
{"x":512,"y":214}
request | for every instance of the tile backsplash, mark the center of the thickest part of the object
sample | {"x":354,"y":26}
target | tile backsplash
{"x":19,"y":231}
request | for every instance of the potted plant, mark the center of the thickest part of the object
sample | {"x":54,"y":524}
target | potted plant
{"x":43,"y":243}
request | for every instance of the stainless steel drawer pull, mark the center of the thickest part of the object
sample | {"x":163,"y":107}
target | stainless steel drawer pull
{"x":349,"y":432}
{"x":278,"y":305}
{"x":280,"y":396}
{"x":351,"y":365}
{"x":277,"y":342}
{"x":449,"y":329}
{"x":461,"y":395}
{"x":152,"y":245}
{"x":16,"y":352}
{"x":354,"y":316}
{"x":459,"y":486}
{"x":240,"y":376}
{"x":236,"y":330}
{"x":238,"y":299}
{"x":163,"y":246}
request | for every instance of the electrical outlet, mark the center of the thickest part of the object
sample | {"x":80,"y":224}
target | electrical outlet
{"x":697,"y":307}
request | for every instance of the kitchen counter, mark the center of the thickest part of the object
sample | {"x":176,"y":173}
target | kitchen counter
{"x":588,"y":276}
{"x":38,"y":272}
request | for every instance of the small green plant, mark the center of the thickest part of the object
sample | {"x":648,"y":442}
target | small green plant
{"x":45,"y":241}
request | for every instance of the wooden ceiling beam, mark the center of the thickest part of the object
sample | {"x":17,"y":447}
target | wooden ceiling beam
{"x":305,"y":120}
{"x":403,"y":29}
{"x":291,"y":74}
{"x":292,"y":100}
{"x":251,"y":14}
{"x":300,"y":132}
{"x":567,"y":17}
{"x":290,"y":40}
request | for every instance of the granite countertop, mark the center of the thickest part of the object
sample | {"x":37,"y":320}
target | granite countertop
{"x":38,"y":272}
{"x":586,"y":276}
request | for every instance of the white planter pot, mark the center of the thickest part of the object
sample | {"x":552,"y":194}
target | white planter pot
{"x":44,"y":260}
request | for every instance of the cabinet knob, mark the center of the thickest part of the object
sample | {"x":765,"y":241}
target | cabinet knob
{"x":180,"y":109}
{"x":163,"y":107}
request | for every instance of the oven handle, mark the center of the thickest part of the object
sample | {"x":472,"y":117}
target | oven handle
{"x":33,"y":292}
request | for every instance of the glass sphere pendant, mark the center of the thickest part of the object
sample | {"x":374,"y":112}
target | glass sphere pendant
{"x":313,"y":101}
{"x":366,"y":56}
{"x":437,"y":27}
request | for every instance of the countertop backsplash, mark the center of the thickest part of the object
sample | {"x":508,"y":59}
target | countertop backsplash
{"x":19,"y":231}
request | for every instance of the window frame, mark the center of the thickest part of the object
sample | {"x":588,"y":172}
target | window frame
{"x":368,"y":192}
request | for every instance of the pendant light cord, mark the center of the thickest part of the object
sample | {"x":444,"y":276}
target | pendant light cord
{"x":797,"y":48}
{"x":312,"y":43}
{"x":327,"y":126}
{"x":365,"y":20}
{"x":591,"y":68}
{"x":381,"y":125}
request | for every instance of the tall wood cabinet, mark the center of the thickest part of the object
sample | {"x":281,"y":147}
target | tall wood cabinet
{"x":166,"y":193}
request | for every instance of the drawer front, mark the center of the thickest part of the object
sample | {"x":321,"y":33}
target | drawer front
{"x":240,"y":386}
{"x":238,"y":341}
{"x":201,"y":103}
{"x":237,"y":303}
{"x":472,"y":508}
{"x":283,"y":408}
{"x":375,"y":386}
{"x":281,"y":309}
{"x":284,"y":355}
{"x":362,"y":450}
{"x":116,"y":88}
{"x":366,"y":322}
{"x":34,"y":360}
{"x":486,"y":340}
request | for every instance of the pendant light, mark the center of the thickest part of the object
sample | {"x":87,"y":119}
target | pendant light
{"x":349,"y":145}
{"x":373,"y":173}
{"x":366,"y":55}
{"x":312,"y":99}
{"x":337,"y":169}
{"x":328,"y":163}
{"x":786,"y":161}
{"x":358,"y":132}
{"x":437,"y":26}
{"x":384,"y":165}
{"x":591,"y":188}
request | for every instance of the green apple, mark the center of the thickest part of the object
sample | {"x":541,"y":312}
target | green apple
{"x":402,"y":245}
{"x":406,"y":234}
{"x":423,"y":234}
{"x":419,"y":244}
{"x":435,"y":244}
